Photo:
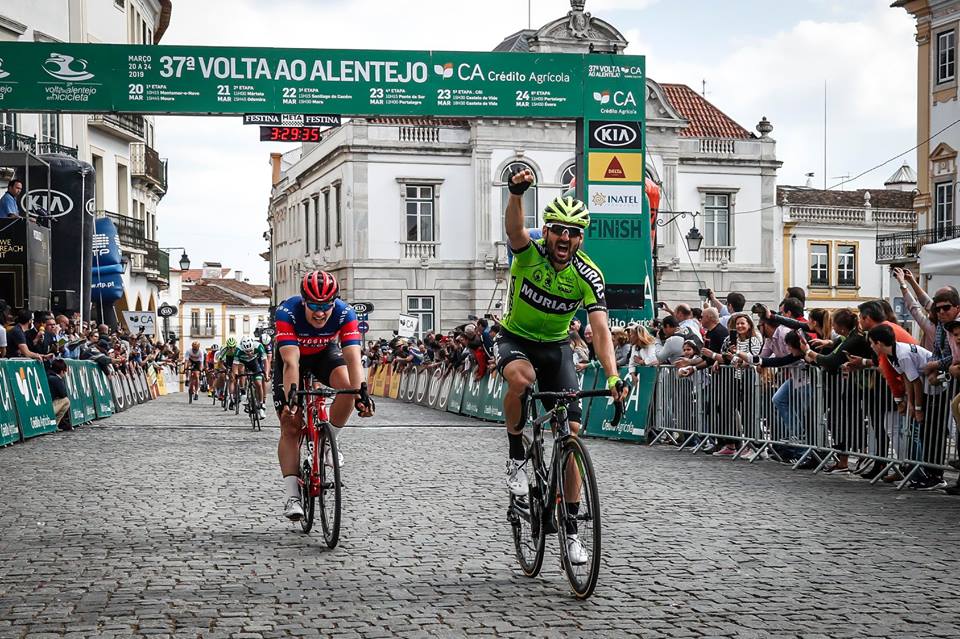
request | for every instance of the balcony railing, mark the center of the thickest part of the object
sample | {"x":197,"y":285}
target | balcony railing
{"x":202,"y":331}
{"x":419,"y":250}
{"x":718,"y":145}
{"x":151,"y":261}
{"x":129,"y":126}
{"x":132,"y":232}
{"x":55,"y":148}
{"x":716,"y":253}
{"x":163,"y":267}
{"x":11,"y":141}
{"x":145,"y":163}
{"x":893,"y":248}
{"x":419,"y":134}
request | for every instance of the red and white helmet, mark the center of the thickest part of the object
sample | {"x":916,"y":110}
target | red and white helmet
{"x":319,"y":286}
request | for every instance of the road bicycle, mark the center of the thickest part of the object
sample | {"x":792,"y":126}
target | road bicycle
{"x":194,"y":383}
{"x":320,"y":456}
{"x":545,"y":509}
{"x":252,"y":407}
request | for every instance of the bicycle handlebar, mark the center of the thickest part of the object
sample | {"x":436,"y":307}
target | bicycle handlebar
{"x":574,"y":395}
{"x":295,"y":395}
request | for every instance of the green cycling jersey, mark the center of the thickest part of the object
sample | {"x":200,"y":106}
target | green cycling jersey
{"x":542,"y":301}
{"x":258,"y":353}
{"x":227,"y":353}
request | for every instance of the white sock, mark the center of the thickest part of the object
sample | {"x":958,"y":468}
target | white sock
{"x":292,"y":484}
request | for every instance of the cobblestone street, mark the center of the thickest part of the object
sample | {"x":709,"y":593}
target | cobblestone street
{"x":165,"y":521}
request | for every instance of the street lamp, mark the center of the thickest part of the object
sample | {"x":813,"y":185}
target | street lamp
{"x":694,"y":237}
{"x":184,"y":260}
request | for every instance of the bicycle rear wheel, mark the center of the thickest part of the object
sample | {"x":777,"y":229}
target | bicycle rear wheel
{"x":307,"y":500}
{"x":525,"y":515}
{"x":329,"y":485}
{"x":236,"y":398}
{"x":582,"y":576}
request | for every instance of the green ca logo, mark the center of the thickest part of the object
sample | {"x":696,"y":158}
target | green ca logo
{"x":28,"y":382}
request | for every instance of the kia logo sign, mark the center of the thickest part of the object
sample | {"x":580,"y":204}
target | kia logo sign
{"x":362,"y":308}
{"x":57,"y":204}
{"x":616,"y":135}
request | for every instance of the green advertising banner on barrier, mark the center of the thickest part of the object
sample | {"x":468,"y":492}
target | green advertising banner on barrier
{"x":89,"y":400}
{"x":9,"y":432}
{"x":31,"y":396}
{"x":102,"y":396}
{"x":79,"y":392}
{"x":92,"y":78}
{"x":471,"y":396}
{"x":491,"y":407}
{"x":633,"y":425}
{"x":457,"y":388}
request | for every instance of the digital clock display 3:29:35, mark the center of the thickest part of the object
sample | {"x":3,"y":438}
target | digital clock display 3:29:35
{"x":289,"y":134}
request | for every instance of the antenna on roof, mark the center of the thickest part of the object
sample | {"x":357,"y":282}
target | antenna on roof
{"x":703,"y":89}
{"x":843,"y":179}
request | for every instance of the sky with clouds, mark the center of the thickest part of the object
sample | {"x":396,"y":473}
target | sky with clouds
{"x":757,"y":58}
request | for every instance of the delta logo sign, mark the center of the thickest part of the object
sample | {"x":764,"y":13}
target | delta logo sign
{"x":615,"y":167}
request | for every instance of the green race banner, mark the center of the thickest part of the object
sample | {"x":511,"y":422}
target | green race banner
{"x":94,"y":78}
{"x":633,"y":425}
{"x":492,"y":402}
{"x":471,"y":396}
{"x":457,"y":391}
{"x":75,"y":391}
{"x":9,"y":432}
{"x":31,"y":396}
{"x":102,"y":395}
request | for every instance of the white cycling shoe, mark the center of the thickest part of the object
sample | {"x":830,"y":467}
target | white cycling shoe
{"x":575,"y":551}
{"x":517,"y":478}
{"x":293,"y":510}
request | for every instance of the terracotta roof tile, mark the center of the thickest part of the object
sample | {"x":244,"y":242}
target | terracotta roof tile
{"x":210,"y":294}
{"x":879,"y":198}
{"x":236,"y":286}
{"x":706,"y":120}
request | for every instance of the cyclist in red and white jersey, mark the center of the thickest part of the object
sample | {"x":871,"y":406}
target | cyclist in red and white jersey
{"x":317,"y":332}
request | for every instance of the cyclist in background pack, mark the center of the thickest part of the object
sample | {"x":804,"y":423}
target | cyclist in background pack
{"x":226,"y":356}
{"x":250,"y":359}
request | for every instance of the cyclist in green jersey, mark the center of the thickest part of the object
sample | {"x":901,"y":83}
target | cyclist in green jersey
{"x":226,"y":356}
{"x":250,"y":359}
{"x":549,"y":280}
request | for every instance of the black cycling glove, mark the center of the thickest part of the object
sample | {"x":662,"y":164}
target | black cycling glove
{"x":518,"y":188}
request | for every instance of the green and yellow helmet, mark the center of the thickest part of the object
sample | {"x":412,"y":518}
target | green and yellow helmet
{"x":231,"y":343}
{"x":568,"y":210}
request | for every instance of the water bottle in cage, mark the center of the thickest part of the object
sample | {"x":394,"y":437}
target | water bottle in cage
{"x":310,"y":447}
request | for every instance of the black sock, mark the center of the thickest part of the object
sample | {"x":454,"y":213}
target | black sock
{"x":573,"y":507}
{"x":516,"y":447}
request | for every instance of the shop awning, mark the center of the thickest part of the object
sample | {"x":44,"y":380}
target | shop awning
{"x":942,"y":258}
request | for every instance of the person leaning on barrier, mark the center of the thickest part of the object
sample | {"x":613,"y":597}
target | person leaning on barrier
{"x":58,"y":391}
{"x":643,"y":349}
{"x":670,"y":348}
{"x":909,"y":360}
{"x":621,"y":347}
{"x":742,"y":338}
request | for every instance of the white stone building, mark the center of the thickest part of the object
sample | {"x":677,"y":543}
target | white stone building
{"x":933,"y":245}
{"x":408,"y":212}
{"x":829,"y":239}
{"x":220,"y":305}
{"x":130,"y":176}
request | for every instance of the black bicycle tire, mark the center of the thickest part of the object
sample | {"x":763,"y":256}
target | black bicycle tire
{"x":533,"y":568}
{"x":331,"y":529}
{"x":236,"y":398}
{"x":307,"y":501}
{"x":589,"y":480}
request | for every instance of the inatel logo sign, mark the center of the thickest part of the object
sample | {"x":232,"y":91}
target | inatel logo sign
{"x":616,"y":199}
{"x":615,"y":135}
{"x":66,"y":67}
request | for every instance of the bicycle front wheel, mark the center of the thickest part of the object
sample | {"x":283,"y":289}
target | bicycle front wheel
{"x":329,"y":486}
{"x":307,"y":499}
{"x":578,"y":518}
{"x":525,"y":515}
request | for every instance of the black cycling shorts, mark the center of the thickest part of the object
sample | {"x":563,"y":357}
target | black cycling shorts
{"x":321,"y":366}
{"x":253,"y":367}
{"x":553,"y":362}
{"x":195,"y":366}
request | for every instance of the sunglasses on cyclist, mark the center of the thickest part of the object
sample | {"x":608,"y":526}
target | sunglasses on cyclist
{"x":943,"y":308}
{"x":559,"y":229}
{"x":319,"y":307}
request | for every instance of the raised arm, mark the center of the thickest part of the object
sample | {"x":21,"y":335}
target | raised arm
{"x":517,"y":235}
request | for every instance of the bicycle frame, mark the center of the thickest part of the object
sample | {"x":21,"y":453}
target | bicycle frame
{"x":560,"y":426}
{"x":315,"y":412}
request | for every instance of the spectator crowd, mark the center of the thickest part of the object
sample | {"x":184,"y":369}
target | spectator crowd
{"x":859,"y":365}
{"x":51,"y":339}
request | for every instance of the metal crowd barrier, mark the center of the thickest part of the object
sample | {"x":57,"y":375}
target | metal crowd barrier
{"x":804,"y":414}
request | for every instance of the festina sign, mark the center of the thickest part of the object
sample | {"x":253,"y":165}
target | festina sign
{"x":291,"y":119}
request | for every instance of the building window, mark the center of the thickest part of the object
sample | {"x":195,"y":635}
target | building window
{"x":716,"y":216}
{"x":420,"y":204}
{"x":326,"y":219}
{"x":819,"y":265}
{"x":846,"y":265}
{"x":195,"y":322}
{"x":246,"y":324}
{"x":943,"y":209}
{"x":336,"y":190}
{"x":209,"y":318}
{"x":120,"y":4}
{"x":566,"y":177}
{"x":529,"y":197}
{"x":49,"y":127}
{"x":316,"y":222}
{"x":306,"y":227}
{"x":233,"y":324}
{"x":8,"y":122}
{"x":946,"y":56}
{"x":421,"y":307}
